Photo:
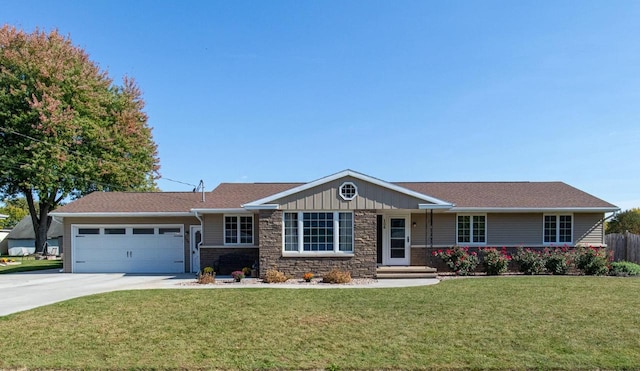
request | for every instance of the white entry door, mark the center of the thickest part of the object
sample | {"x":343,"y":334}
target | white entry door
{"x":196,"y":238}
{"x":397,"y":241}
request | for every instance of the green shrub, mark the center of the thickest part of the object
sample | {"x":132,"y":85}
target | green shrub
{"x":530,"y":262}
{"x":337,"y":276}
{"x":592,"y":261}
{"x":459,"y":260}
{"x":624,"y":269}
{"x":558,"y":260}
{"x":275,"y":276}
{"x":495,"y":262}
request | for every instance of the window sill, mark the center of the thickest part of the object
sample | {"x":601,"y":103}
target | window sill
{"x":293,"y":254}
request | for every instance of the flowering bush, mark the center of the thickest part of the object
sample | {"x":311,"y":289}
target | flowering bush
{"x":495,"y":262}
{"x":592,"y":261}
{"x":307,"y":276}
{"x":459,"y":260}
{"x":530,"y":262}
{"x":558,"y":260}
{"x":237,"y":275}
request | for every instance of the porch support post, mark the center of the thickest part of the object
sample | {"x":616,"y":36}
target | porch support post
{"x":431,"y":230}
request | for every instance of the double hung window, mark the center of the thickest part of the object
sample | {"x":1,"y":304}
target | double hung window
{"x":238,"y":230}
{"x":472,"y":229}
{"x":558,"y":229}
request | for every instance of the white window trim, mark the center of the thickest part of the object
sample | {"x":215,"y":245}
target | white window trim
{"x":336,"y":233}
{"x":486,"y":230}
{"x":224,"y":230}
{"x":355,"y":194}
{"x":558,"y":215}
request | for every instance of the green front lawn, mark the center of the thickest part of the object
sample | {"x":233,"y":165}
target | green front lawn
{"x":29,"y":264}
{"x":503,"y":322}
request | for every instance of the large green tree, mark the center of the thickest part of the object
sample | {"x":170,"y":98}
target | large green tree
{"x":65,"y":128}
{"x":628,"y":220}
{"x":15,"y":208}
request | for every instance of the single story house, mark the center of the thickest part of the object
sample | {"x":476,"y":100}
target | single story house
{"x":348,"y":220}
{"x":21,"y":239}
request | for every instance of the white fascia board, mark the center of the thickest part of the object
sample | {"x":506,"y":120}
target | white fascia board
{"x":219,"y":211}
{"x":434,"y":206}
{"x":343,"y":174}
{"x":121,"y":214}
{"x":2,"y":216}
{"x":262,"y":207}
{"x":533,"y":209}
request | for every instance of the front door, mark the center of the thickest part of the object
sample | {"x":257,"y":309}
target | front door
{"x":397,"y":241}
{"x":196,"y":238}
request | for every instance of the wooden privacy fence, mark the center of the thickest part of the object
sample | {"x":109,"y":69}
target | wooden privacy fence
{"x":625,"y":246}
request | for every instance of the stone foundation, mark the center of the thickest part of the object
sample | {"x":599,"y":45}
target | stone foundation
{"x":361,"y":265}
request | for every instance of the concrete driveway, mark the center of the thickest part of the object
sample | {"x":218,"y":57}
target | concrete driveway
{"x":28,"y":290}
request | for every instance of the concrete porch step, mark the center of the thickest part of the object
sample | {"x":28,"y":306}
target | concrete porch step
{"x":382,"y":276}
{"x":396,"y":272}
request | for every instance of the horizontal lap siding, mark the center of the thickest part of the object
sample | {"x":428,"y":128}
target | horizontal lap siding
{"x":588,"y":228}
{"x":514,"y":229}
{"x":327,"y":197}
{"x":186,"y":222}
{"x":444,"y":229}
{"x":213,"y":230}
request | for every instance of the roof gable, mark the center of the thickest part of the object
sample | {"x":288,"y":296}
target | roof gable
{"x":267,"y":202}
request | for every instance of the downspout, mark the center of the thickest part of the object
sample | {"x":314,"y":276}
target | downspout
{"x":201,"y":237}
{"x":201,"y":228}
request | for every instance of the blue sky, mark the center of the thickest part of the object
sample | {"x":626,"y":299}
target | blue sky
{"x":255,"y":91}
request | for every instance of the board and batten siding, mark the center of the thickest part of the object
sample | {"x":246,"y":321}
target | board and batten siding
{"x":186,"y":222}
{"x":370,"y":197}
{"x":213,"y":229}
{"x":588,"y":229}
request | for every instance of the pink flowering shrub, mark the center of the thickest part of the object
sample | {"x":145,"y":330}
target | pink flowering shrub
{"x":530,"y":261}
{"x":237,"y":275}
{"x":495,"y":261}
{"x":558,"y":260}
{"x":592,"y":261}
{"x":459,"y":260}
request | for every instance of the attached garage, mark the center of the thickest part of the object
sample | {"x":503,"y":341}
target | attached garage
{"x":155,"y":248}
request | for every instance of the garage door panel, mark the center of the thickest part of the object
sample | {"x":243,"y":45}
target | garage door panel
{"x":129,"y":253}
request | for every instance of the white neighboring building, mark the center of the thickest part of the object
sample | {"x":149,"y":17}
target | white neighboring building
{"x":21,"y":239}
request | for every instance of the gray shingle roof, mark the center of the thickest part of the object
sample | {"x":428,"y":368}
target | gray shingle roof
{"x":233,"y":195}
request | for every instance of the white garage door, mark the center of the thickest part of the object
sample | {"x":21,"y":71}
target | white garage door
{"x":128,"y":249}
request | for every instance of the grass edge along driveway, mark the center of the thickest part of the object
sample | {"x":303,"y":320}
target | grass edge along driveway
{"x":28,"y":264}
{"x":514,"y":323}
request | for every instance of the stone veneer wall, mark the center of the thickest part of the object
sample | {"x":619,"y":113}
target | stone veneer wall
{"x":361,"y":265}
